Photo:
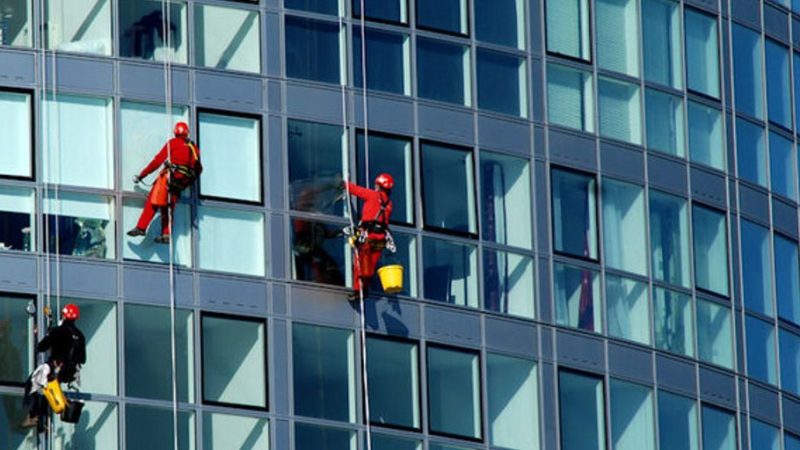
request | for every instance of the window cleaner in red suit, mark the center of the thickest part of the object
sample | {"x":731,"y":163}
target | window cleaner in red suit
{"x":178,"y":173}
{"x":372,"y":232}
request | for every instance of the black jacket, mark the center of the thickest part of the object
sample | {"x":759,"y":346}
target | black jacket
{"x":66,"y":344}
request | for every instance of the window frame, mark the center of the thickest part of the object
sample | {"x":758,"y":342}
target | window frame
{"x":693,"y":251}
{"x":420,"y":394}
{"x":720,"y":58}
{"x":31,"y":298}
{"x":475,"y":193}
{"x":605,"y":389}
{"x":240,"y":115}
{"x":202,"y":394}
{"x":32,"y":131}
{"x":466,"y":34}
{"x":597,"y":217}
{"x":590,"y":61}
{"x":357,"y":16}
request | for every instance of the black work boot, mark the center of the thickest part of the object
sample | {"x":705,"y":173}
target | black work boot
{"x":136,"y":231}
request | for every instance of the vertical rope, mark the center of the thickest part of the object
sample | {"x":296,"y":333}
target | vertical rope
{"x":45,"y":189}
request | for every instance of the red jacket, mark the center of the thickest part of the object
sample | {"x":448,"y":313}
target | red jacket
{"x":180,"y":154}
{"x":372,"y":203}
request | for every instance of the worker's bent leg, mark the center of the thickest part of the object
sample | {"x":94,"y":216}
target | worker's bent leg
{"x":148,"y":212}
{"x":166,"y":214}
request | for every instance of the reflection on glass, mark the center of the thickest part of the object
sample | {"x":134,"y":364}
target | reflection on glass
{"x":751,"y":152}
{"x":761,"y":363}
{"x":661,"y":36}
{"x":574,"y":214}
{"x":388,"y":67}
{"x":16,"y":340}
{"x":790,"y":361}
{"x":443,"y":15}
{"x":763,"y":436}
{"x":500,"y":22}
{"x":392,"y":155}
{"x":227,"y":38}
{"x":781,"y":165}
{"x":141,"y":24}
{"x":513,"y":405}
{"x":313,"y":437}
{"x":81,"y":26}
{"x":779,"y":103}
{"x":714,"y":335}
{"x":632,"y":417}
{"x":443,"y":71}
{"x":316,"y":160}
{"x":150,"y":427}
{"x":501,"y":83}
{"x":627,"y":309}
{"x":570,"y":97}
{"x":312,"y":50}
{"x":454,"y":405}
{"x":17,"y":221}
{"x":669,"y":238}
{"x":317,"y":6}
{"x":450,"y":272}
{"x":577,"y":298}
{"x":80,"y":225}
{"x":719,"y":429}
{"x":617,"y":35}
{"x":448,"y":188}
{"x":146,"y":249}
{"x":217,"y":136}
{"x":624,"y":233}
{"x":677,"y":422}
{"x":582,"y":407}
{"x":747,"y":66}
{"x":228,"y":431}
{"x":16,"y":128}
{"x":620,"y":110}
{"x":11,"y":415}
{"x":96,"y":429}
{"x":384,"y":10}
{"x":508,"y":283}
{"x":756,"y":268}
{"x":392,"y":370}
{"x":702,"y":52}
{"x":705,"y":136}
{"x":319,"y":252}
{"x":568,"y":28}
{"x":505,"y":187}
{"x":15,"y":23}
{"x":710,"y":250}
{"x":787,"y":279}
{"x":673,"y":321}
{"x":98,"y":322}
{"x":664,"y":122}
{"x":217,"y":251}
{"x":384,"y":442}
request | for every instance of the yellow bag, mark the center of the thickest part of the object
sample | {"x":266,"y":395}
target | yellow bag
{"x":159,"y":193}
{"x":52,"y":392}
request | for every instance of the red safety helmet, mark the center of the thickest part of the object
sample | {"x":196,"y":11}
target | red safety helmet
{"x":70,"y":311}
{"x":385,"y":181}
{"x":181,"y":129}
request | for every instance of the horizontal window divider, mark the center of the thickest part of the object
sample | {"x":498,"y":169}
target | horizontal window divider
{"x":163,"y":404}
{"x":788,"y":325}
{"x":235,"y":406}
{"x":379,"y":25}
{"x":442,"y":36}
{"x":672,"y":287}
{"x":575,"y":260}
{"x":508,"y":248}
{"x":502,"y":49}
{"x":465,"y":236}
{"x":288,"y":12}
{"x":237,"y":411}
{"x":705,"y":294}
{"x":318,"y":217}
{"x":570,"y":60}
{"x":617,"y":76}
{"x":706,"y":99}
{"x":760,"y":316}
{"x":307,"y":420}
{"x":631,"y":276}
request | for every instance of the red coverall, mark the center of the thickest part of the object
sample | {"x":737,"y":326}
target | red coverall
{"x":369,"y":253}
{"x":181,"y":155}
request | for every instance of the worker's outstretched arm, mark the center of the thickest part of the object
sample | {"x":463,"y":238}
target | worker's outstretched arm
{"x":157,"y":161}
{"x":358,"y":191}
{"x":45,"y":343}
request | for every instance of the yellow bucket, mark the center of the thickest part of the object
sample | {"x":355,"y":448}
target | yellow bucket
{"x":391,"y":278}
{"x":52,"y":392}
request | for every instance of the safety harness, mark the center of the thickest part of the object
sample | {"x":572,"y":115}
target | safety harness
{"x":187,"y":174}
{"x":378,"y":226}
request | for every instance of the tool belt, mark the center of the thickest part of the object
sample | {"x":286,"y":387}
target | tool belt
{"x":186,"y":177}
{"x":373,"y":226}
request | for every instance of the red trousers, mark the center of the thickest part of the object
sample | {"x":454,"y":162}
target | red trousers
{"x":149,"y":211}
{"x":365,"y":262}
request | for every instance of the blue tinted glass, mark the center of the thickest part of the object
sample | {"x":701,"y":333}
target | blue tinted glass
{"x":710,"y":250}
{"x":570,"y":97}
{"x":454,"y":405}
{"x":763,"y":436}
{"x":792,"y":442}
{"x":440,"y":71}
{"x":669,"y":238}
{"x":444,"y":15}
{"x":318,"y":252}
{"x":705,"y":135}
{"x":500,"y":83}
{"x":790,"y":361}
{"x":500,"y":22}
{"x":312,"y":437}
{"x":747,"y":66}
{"x":778,"y":101}
{"x":390,"y":155}
{"x":319,"y":6}
{"x":796,"y":64}
{"x":702,"y":53}
{"x":574,"y":214}
{"x":450,"y":272}
{"x":382,"y":442}
{"x":315,"y":162}
{"x":150,"y":427}
{"x":392,"y":368}
{"x":661,"y":35}
{"x":677,"y":422}
{"x":568,"y":28}
{"x":386,"y":69}
{"x":577,"y":298}
{"x":312,"y":50}
{"x":664,"y":122}
{"x":719,"y":430}
{"x":756,"y":268}
{"x":388,"y":10}
{"x":448,"y":188}
{"x":751,"y":155}
{"x":761,"y":350}
{"x":617,"y":32}
{"x":787,"y":283}
{"x":672,"y":318}
{"x":781,"y":164}
{"x":619,"y":109}
{"x":582,"y":408}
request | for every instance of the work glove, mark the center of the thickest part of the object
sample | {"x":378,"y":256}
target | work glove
{"x":136,"y":179}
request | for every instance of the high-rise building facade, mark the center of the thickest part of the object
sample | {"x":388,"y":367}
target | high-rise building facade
{"x":595,"y":203}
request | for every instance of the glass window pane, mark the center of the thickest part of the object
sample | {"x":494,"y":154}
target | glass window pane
{"x":17,"y":221}
{"x":392,"y":370}
{"x":791,"y":442}
{"x":677,"y":422}
{"x":142,"y":30}
{"x":617,"y":24}
{"x":11,"y":415}
{"x":705,"y":136}
{"x":506,"y":193}
{"x":501,"y":83}
{"x":568,"y":28}
{"x":316,"y":160}
{"x":80,"y":225}
{"x":500,"y":22}
{"x":149,"y":427}
{"x":387,"y":61}
{"x":80,"y":26}
{"x":781,"y":165}
{"x":219,"y":134}
{"x":443,"y":71}
{"x":756,"y":268}
{"x":435,"y":446}
{"x":582,"y":407}
{"x":146,"y":249}
{"x":779,"y":103}
{"x":624,"y":232}
{"x":320,"y":254}
{"x":570,"y":97}
{"x":313,"y":437}
{"x":508,"y":285}
{"x":751,"y":152}
{"x":620,"y":110}
{"x":216,"y":251}
{"x":323,"y":373}
{"x":710,"y":250}
{"x":450,"y":272}
{"x":790,"y":361}
{"x":148,"y":353}
{"x":97,"y":427}
{"x":661,"y":39}
{"x":448,"y":188}
{"x":391,"y":155}
{"x":665,"y":130}
{"x":719,"y":429}
{"x":144,"y":129}
{"x":79,"y":141}
{"x":796,"y":68}
{"x":513,"y":403}
{"x":312,"y":50}
{"x":632,"y":417}
{"x":714,"y":338}
{"x":389,"y":11}
{"x":761,"y":350}
{"x":577,"y":297}
{"x":673,"y":321}
{"x":16,"y":128}
{"x":702,"y":53}
{"x":763,"y":436}
{"x":669,"y":238}
{"x":98,"y":323}
{"x":406,"y":256}
{"x":443,"y":15}
{"x":228,"y":431}
{"x":319,"y":6}
{"x":747,"y":66}
{"x":384,"y":442}
{"x":234,"y":355}
{"x":627,"y":309}
{"x":454,"y":405}
{"x":16,"y":340}
{"x":16,"y":24}
{"x":787,"y":281}
{"x":227,"y":38}
{"x":574,"y":214}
